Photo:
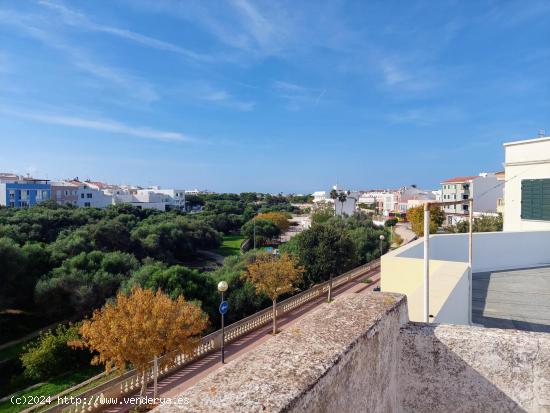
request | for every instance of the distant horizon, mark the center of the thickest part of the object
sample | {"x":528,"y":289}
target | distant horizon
{"x":270,"y":96}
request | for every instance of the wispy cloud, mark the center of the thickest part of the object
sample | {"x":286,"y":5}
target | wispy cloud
{"x":408,"y":76}
{"x":134,"y":86}
{"x":427,"y":116}
{"x":297,"y":95}
{"x":80,"y":20}
{"x":207,"y":93}
{"x":102,"y":125}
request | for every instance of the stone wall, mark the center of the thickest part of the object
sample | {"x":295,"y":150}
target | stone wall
{"x":343,"y":357}
{"x":469,"y":369}
{"x":360,"y":354}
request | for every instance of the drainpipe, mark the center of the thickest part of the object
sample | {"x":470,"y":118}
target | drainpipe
{"x":470,"y":242}
{"x":427,"y":262}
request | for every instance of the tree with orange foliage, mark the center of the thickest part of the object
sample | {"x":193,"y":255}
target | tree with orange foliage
{"x":141,"y":326}
{"x":273,"y":276}
{"x":280,"y":219}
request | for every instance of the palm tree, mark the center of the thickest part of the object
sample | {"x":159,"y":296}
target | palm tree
{"x":342,"y":197}
{"x":334,"y":196}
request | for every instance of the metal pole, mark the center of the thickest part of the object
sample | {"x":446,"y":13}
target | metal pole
{"x":254,"y":232}
{"x":223,"y":334}
{"x":470,"y":244}
{"x":427,"y":262}
{"x":155,"y":376}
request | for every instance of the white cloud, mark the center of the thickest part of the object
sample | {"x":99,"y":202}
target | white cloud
{"x":80,"y":20}
{"x":297,"y":95}
{"x":103,"y":125}
{"x":134,"y":86}
{"x":427,"y":116}
{"x":204,"y":91}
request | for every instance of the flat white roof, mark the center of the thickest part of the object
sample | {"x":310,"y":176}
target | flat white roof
{"x":522,"y":142}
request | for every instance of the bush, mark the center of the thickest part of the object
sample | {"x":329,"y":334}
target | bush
{"x":50,"y":355}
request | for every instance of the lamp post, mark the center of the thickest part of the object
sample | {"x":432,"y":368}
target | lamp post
{"x":382,"y":238}
{"x":222,"y":288}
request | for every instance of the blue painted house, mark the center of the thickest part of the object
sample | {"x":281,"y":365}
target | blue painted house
{"x":24,"y":192}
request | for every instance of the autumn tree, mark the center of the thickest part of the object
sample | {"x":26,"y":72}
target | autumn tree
{"x":416,"y":218}
{"x":273,"y":276}
{"x":141,"y":326}
{"x":280,"y":219}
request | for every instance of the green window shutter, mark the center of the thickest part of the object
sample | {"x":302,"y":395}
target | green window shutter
{"x":535,"y":199}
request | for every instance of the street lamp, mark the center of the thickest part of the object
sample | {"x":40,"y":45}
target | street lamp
{"x":222,"y":288}
{"x":382,"y":238}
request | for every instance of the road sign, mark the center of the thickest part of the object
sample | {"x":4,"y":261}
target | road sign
{"x":224,"y":306}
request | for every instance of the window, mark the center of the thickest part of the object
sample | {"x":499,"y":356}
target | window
{"x":88,"y":195}
{"x":87,"y":204}
{"x":81,"y":195}
{"x":535,"y":199}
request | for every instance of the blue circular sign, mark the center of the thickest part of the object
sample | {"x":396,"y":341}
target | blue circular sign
{"x":224,"y":306}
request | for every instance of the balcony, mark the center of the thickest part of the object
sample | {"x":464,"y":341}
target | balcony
{"x":511,"y":279}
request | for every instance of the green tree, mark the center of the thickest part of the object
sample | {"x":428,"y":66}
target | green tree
{"x":265,"y":231}
{"x":50,"y":355}
{"x":416,"y":218}
{"x":174,"y":281}
{"x":484,"y":223}
{"x":84,"y":282}
{"x":322,"y":213}
{"x":324,"y":250}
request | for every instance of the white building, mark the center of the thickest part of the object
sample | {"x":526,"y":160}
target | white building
{"x":144,"y":199}
{"x":320,"y":196}
{"x":527,"y":185}
{"x":386,"y":201}
{"x":91,"y":197}
{"x":484,"y":189}
{"x":348,"y":206}
{"x":176,"y":197}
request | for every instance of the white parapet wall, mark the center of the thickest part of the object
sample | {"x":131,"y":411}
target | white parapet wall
{"x":402,"y":269}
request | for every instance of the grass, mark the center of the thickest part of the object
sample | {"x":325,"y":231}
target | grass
{"x":13,"y":351}
{"x":367,"y":281}
{"x":230,"y":245}
{"x":53,"y":387}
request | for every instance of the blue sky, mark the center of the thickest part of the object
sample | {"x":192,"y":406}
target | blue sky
{"x":269,"y":96}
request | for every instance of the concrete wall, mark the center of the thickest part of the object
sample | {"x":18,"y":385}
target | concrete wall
{"x":485,"y":191}
{"x":491,"y":250}
{"x":524,"y":160}
{"x":403,"y":271}
{"x":343,"y":357}
{"x":359,"y":354}
{"x":470,"y":369}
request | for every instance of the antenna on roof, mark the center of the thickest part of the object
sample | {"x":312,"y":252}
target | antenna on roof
{"x":542,"y":133}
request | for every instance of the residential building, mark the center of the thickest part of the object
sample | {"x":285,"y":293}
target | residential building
{"x":348,"y":206}
{"x":507,"y":282}
{"x":410,"y":197}
{"x":320,"y":196}
{"x":501,"y":178}
{"x":176,"y":197}
{"x":23,"y":192}
{"x":386,"y":200}
{"x":143,"y":199}
{"x":527,"y":185}
{"x":484,"y":189}
{"x":90,"y":197}
{"x":65,"y":192}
